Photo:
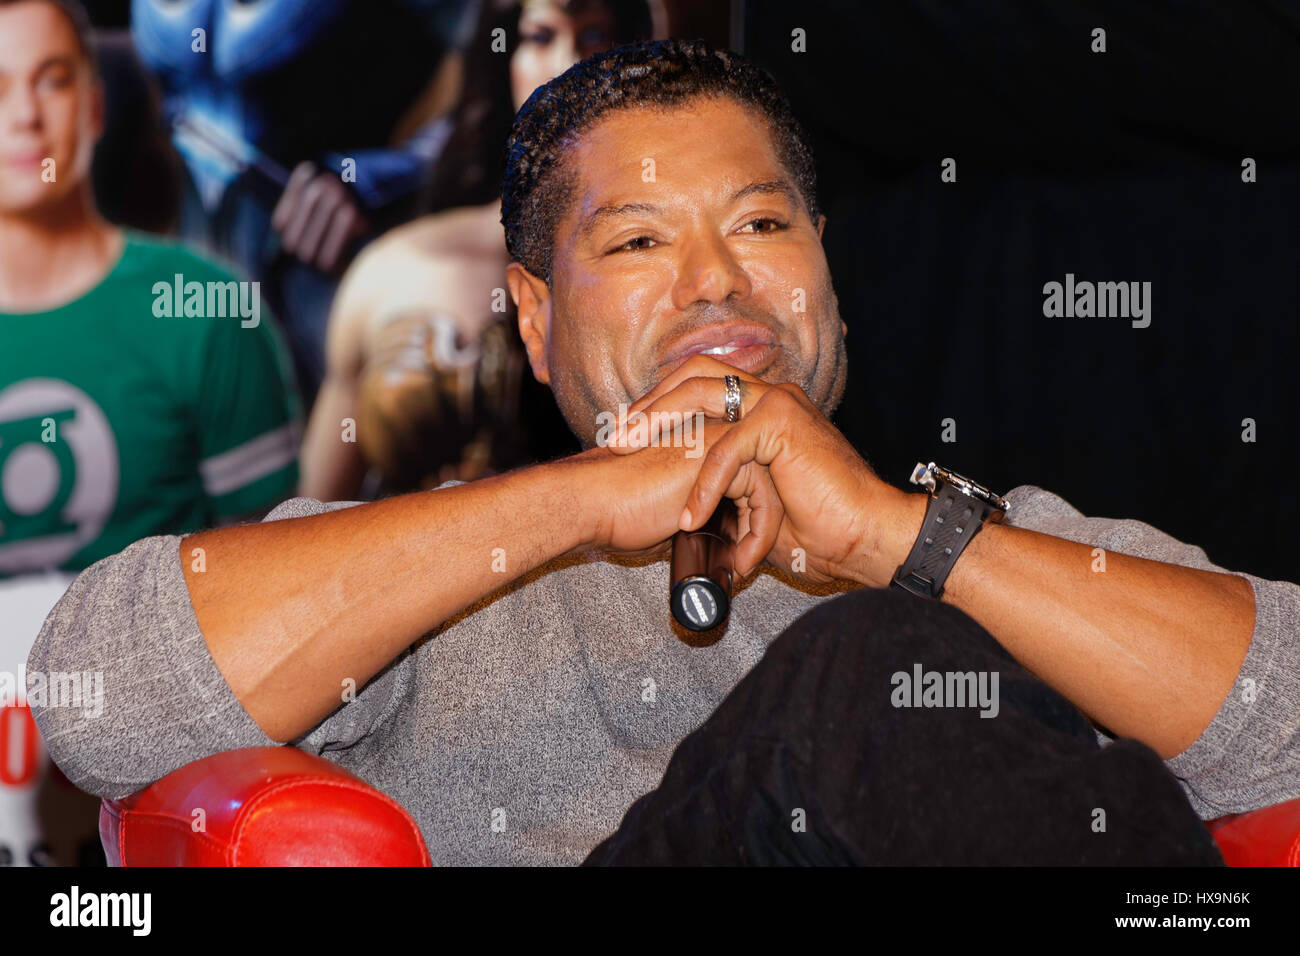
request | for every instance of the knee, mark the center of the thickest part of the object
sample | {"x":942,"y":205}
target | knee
{"x":873,"y":629}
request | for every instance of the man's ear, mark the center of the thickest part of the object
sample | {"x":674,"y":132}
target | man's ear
{"x":533,"y":304}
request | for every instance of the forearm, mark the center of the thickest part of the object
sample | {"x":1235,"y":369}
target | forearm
{"x":291,"y":610}
{"x":331,"y":469}
{"x":1147,"y":649}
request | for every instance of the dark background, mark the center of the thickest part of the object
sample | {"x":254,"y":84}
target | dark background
{"x":1115,"y":166}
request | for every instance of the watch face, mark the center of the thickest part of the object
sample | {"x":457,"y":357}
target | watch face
{"x":971,"y":488}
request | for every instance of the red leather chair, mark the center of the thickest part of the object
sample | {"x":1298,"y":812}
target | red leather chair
{"x":277,"y":806}
{"x":1269,"y":836}
{"x":264,"y":806}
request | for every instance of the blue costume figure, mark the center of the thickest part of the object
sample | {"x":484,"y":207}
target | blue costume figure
{"x":253,"y":89}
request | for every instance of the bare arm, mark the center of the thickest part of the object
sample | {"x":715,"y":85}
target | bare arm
{"x":331,"y":469}
{"x":290,"y":609}
{"x":251,"y":644}
{"x":1147,"y":649}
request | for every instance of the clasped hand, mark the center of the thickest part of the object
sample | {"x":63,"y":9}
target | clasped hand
{"x":801,"y":489}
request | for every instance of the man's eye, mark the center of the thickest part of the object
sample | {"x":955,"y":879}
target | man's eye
{"x":634,"y":245}
{"x":775,"y":225}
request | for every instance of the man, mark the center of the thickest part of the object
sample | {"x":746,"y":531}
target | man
{"x":520,"y":684}
{"x":129,"y":406}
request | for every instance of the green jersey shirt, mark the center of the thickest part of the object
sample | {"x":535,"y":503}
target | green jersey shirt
{"x":161,"y":401}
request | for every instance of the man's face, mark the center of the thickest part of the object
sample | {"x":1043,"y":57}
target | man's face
{"x":50,"y":107}
{"x":685,"y":233}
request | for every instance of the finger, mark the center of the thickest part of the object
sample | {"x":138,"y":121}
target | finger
{"x":696,"y":366}
{"x":760,"y":514}
{"x":641,"y":429}
{"x":323,"y":213}
{"x":300,"y":177}
{"x":765,"y":514}
{"x":304,"y":208}
{"x":705,"y":396}
{"x":343,"y":227}
{"x":619,"y":438}
{"x":661,"y":427}
{"x":753,"y":439}
{"x":626,"y":438}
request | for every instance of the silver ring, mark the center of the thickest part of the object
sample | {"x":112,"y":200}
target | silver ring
{"x":733,"y":397}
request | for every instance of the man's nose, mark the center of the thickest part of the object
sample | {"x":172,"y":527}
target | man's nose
{"x":708,"y":272}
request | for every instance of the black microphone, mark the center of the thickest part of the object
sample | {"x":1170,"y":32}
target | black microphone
{"x":702,"y":568}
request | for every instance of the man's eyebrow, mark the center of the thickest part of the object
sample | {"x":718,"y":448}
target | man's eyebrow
{"x":777,"y":186}
{"x":613,"y":211}
{"x":609,"y":211}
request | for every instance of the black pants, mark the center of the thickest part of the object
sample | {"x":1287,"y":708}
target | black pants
{"x":810,"y":761}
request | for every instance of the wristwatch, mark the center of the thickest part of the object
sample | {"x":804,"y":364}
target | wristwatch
{"x":958,"y":508}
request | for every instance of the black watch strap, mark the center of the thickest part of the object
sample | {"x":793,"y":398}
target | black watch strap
{"x":952,"y":519}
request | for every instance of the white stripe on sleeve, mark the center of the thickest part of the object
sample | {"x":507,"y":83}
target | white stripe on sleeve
{"x":244,"y":464}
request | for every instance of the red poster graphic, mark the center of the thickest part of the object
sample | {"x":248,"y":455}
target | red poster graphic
{"x":19,"y":746}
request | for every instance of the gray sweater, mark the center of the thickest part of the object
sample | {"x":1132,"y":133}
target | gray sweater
{"x":520,"y":731}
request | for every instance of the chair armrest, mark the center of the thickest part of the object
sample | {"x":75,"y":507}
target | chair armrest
{"x":1269,"y":836}
{"x":262,"y":806}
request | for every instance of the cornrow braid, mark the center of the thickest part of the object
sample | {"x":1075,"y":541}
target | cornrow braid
{"x":538,"y":189}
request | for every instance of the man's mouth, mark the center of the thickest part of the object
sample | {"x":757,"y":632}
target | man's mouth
{"x":748,"y":348}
